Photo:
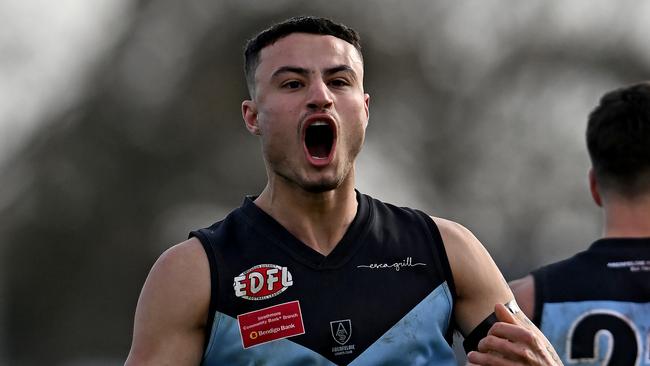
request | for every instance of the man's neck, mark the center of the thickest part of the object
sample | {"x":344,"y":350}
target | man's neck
{"x":627,"y":217}
{"x":317,"y":219}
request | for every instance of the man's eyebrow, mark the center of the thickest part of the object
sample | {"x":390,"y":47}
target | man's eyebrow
{"x":339,"y":68}
{"x":290,"y":69}
{"x":304,"y":72}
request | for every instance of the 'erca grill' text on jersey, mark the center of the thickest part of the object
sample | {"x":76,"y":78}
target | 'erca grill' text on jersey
{"x":383,"y":296}
{"x":595,"y":306}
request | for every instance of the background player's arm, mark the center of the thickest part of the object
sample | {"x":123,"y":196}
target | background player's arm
{"x":171,"y":315}
{"x":524,"y":291}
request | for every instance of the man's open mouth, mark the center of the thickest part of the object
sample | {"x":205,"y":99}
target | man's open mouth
{"x":320,"y":138}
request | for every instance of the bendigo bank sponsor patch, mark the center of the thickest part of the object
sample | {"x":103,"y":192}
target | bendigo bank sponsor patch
{"x":270,"y":324}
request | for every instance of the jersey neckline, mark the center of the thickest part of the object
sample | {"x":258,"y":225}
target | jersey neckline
{"x":618,"y":243}
{"x":271,"y":229}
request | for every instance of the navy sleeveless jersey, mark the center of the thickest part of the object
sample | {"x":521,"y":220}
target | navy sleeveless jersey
{"x":595,"y":306}
{"x":383,"y":296}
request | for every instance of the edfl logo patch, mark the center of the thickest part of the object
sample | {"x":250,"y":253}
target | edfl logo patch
{"x":262,"y":282}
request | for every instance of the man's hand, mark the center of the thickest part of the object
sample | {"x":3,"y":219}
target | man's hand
{"x":514,"y":340}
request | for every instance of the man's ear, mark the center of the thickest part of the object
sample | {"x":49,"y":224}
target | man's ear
{"x":593,"y":187}
{"x":249,"y":113}
{"x":366,"y":102}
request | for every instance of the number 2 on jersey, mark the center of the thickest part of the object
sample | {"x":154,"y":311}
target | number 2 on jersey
{"x":623,"y":339}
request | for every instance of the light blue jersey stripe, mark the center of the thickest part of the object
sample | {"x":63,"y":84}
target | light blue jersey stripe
{"x":225,"y":348}
{"x":417,"y":339}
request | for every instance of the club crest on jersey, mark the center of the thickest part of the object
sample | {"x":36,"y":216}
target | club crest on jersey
{"x":262,"y":282}
{"x":341,"y":331}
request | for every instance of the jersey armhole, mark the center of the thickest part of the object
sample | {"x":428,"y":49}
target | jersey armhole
{"x":441,"y":256}
{"x":209,"y":251}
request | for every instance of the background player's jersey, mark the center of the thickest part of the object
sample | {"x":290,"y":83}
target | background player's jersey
{"x":595,"y":306}
{"x":383,"y":296}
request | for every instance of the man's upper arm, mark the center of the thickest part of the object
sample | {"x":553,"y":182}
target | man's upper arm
{"x":172,"y":310}
{"x":479,"y":283}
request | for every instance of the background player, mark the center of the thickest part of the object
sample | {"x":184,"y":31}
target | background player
{"x":595,"y":306}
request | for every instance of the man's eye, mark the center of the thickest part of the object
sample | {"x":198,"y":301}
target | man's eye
{"x":339,"y":82}
{"x":294,"y":84}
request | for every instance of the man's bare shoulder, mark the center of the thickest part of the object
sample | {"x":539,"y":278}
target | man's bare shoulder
{"x":172,"y":310}
{"x":454,"y":233}
{"x":524,"y":291}
{"x":183,"y":257}
{"x":463,"y":249}
{"x":182,"y":275}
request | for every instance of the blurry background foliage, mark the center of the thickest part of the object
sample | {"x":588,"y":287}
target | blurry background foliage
{"x":121,"y":131}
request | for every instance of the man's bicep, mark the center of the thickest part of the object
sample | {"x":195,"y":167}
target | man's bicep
{"x":479,"y":283}
{"x":482,"y":289}
{"x":172,"y":309}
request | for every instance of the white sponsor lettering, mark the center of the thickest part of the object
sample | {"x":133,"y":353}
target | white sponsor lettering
{"x":632,"y":266}
{"x":408,"y":262}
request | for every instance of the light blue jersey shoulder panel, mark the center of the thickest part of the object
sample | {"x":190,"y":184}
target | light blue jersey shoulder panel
{"x":417,"y":339}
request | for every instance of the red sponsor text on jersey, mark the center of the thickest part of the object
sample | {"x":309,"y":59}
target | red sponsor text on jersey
{"x":262,"y":282}
{"x":270,"y":324}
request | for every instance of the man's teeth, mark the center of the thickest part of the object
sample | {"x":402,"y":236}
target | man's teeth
{"x":319,"y":123}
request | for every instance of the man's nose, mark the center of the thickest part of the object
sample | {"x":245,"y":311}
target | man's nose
{"x":320,"y":96}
